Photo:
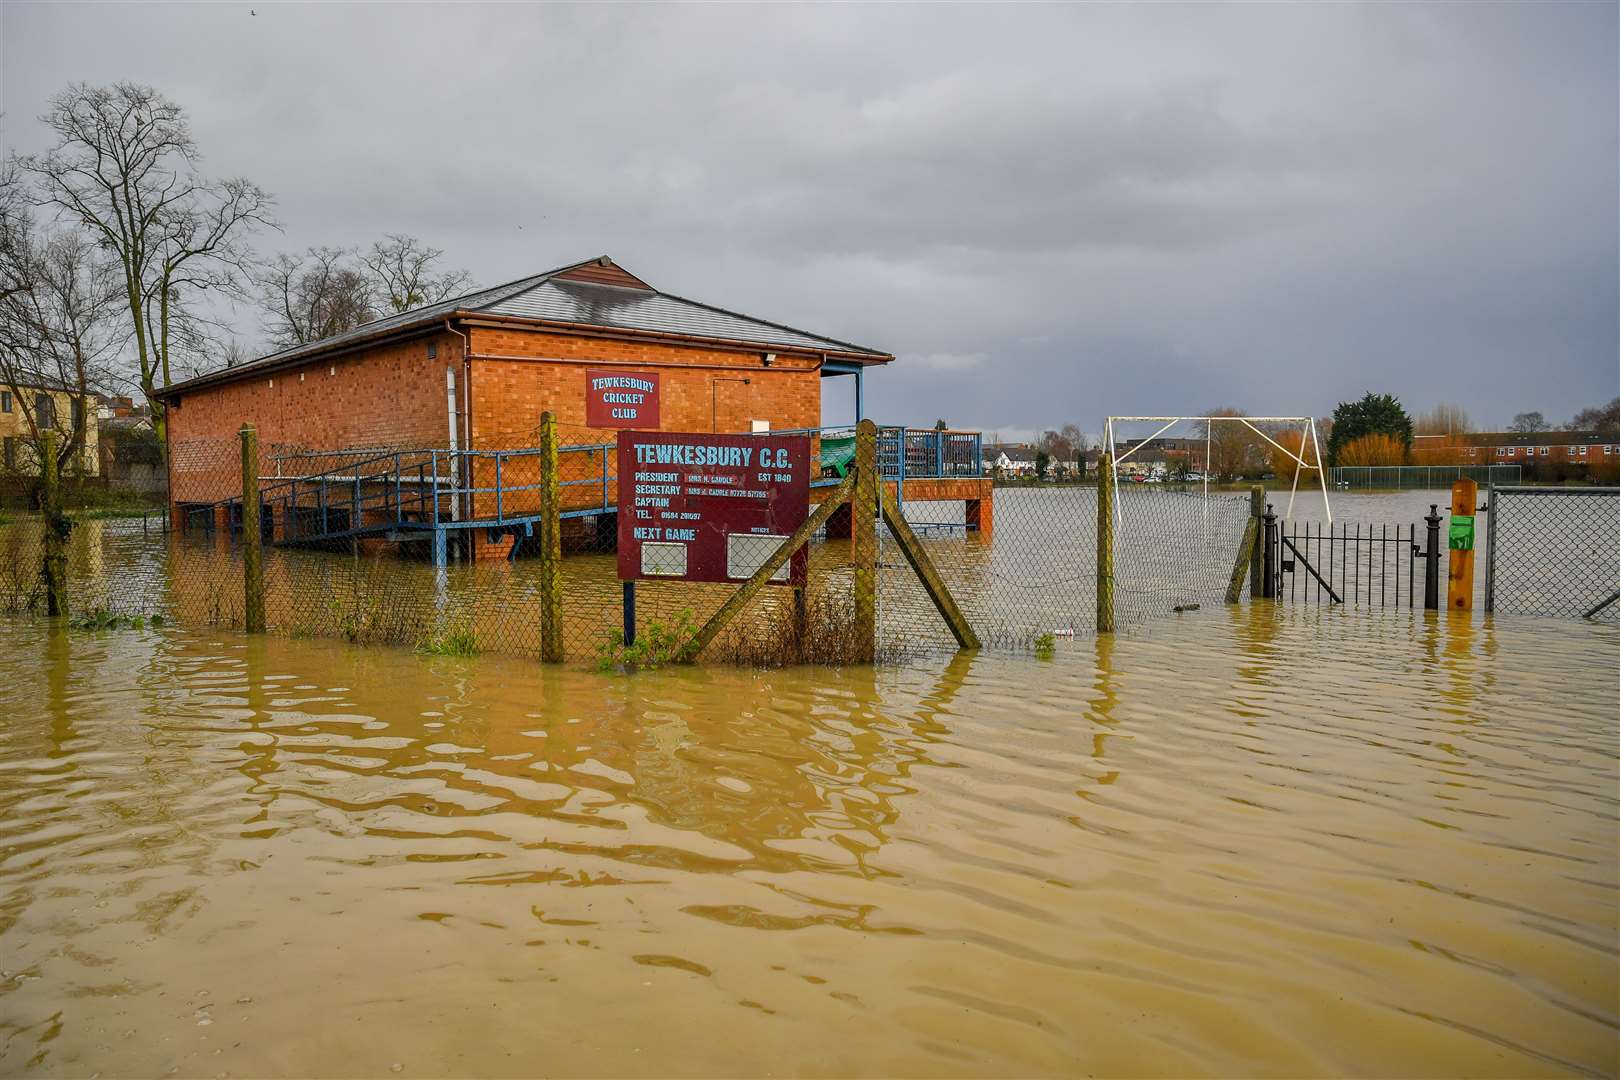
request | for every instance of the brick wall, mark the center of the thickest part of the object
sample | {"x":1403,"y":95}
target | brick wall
{"x":699,"y":390}
{"x":392,"y":396}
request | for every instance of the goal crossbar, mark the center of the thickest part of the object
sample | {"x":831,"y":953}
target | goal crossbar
{"x":1307,"y":426}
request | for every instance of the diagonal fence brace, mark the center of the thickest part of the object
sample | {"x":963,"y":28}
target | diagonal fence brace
{"x":923,"y":567}
{"x":739,"y":600}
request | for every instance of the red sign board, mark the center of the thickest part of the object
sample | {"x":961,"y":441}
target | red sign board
{"x":621,"y":399}
{"x":701,"y":507}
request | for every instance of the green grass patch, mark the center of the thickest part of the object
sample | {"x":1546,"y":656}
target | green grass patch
{"x":457,"y":639}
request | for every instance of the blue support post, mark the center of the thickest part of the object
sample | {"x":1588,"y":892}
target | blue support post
{"x":441,"y":554}
{"x":500,"y":505}
{"x":434,"y":457}
{"x":939,"y":453}
{"x":860,"y":395}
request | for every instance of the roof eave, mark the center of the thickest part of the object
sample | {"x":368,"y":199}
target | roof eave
{"x":742,"y":344}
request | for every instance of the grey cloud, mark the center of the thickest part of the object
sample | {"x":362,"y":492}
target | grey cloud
{"x":1112,"y":208}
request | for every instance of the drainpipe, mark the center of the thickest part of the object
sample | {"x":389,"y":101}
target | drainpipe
{"x":463,"y":463}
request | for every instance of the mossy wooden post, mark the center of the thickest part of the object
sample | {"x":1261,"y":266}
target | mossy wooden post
{"x":252,"y":535}
{"x":56,"y":527}
{"x":863,"y":523}
{"x":551,"y":640}
{"x":1105,"y":544}
{"x":1257,"y":514}
{"x":1460,"y":566}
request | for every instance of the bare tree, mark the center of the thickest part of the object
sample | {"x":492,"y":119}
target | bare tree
{"x":1233,"y":448}
{"x":402,"y":267}
{"x":315,"y":295}
{"x":61,"y":330}
{"x":125,"y":168}
{"x":1528,"y":423}
{"x":1446,"y":418}
{"x":1598,"y":418}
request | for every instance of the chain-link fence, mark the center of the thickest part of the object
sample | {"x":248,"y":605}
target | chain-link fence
{"x":1554,"y":551}
{"x":443,"y":551}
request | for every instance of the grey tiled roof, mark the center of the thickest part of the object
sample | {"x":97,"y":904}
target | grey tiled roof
{"x":634,"y":309}
{"x":543,"y":298}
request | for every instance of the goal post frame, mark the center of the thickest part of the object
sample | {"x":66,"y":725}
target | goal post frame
{"x":1307,"y":429}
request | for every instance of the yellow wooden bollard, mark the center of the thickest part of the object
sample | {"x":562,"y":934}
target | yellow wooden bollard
{"x":1460,"y":543}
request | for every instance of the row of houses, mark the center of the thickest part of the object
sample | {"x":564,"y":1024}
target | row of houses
{"x":1510,"y":447}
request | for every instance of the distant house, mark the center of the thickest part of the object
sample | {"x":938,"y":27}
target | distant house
{"x":1513,"y":447}
{"x":26,"y":409}
{"x":1010,"y":459}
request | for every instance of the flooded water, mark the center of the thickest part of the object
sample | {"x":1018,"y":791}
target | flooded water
{"x":1252,"y":841}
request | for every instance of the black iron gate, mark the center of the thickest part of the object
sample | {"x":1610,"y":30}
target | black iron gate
{"x":1352,"y":562}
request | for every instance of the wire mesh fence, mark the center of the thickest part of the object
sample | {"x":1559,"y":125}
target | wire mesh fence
{"x":1554,"y":551}
{"x":1424,"y":477}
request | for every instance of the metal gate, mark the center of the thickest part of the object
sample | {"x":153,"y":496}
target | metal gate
{"x":1353,"y":563}
{"x":1553,"y":551}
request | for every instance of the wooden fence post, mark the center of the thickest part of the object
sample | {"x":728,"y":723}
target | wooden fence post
{"x":863,"y":509}
{"x":252,"y":535}
{"x":1460,"y":565}
{"x":57,"y":527}
{"x":1105,"y":544}
{"x":551,"y":638}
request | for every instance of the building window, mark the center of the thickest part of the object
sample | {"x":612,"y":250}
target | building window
{"x":5,"y":401}
{"x":78,"y":413}
{"x":1498,"y":451}
{"x":1544,"y":451}
{"x":44,"y":411}
{"x":1583,"y":451}
{"x":11,"y":452}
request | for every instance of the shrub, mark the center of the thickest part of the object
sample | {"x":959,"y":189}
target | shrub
{"x":656,"y":644}
{"x":1373,"y":450}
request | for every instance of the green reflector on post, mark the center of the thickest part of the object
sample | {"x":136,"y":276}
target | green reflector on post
{"x":1461,"y":537}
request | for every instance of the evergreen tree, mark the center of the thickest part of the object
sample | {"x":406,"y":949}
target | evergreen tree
{"x":1374,"y":414}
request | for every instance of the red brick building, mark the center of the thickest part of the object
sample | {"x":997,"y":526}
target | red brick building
{"x":476,"y":372}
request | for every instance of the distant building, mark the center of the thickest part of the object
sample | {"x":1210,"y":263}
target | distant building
{"x":1517,"y":448}
{"x":25,"y":409}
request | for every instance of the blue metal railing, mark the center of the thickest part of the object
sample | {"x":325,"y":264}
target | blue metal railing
{"x":334,"y":496}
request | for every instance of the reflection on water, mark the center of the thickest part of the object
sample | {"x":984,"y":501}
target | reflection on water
{"x":1250,"y":842}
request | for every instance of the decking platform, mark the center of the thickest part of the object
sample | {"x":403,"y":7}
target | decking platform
{"x":484,"y":502}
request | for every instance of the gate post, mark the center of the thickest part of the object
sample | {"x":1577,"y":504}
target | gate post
{"x":57,"y":527}
{"x":863,"y":511}
{"x":1431,"y":561}
{"x":551,"y":642}
{"x":1105,"y":545}
{"x":1268,"y":568}
{"x":1490,"y":545}
{"x":1257,"y":511}
{"x":252,"y":535}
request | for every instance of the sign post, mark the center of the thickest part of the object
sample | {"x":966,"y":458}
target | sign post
{"x":696,"y":506}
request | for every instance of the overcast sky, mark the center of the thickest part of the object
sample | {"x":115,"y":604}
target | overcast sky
{"x":1048,"y":213}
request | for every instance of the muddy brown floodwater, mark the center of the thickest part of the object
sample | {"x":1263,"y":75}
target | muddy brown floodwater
{"x":1244,"y":842}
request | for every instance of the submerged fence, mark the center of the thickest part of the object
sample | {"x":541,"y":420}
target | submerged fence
{"x":1398,"y":477}
{"x":1553,"y":551}
{"x":907,"y":552}
{"x":1022,"y":564}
